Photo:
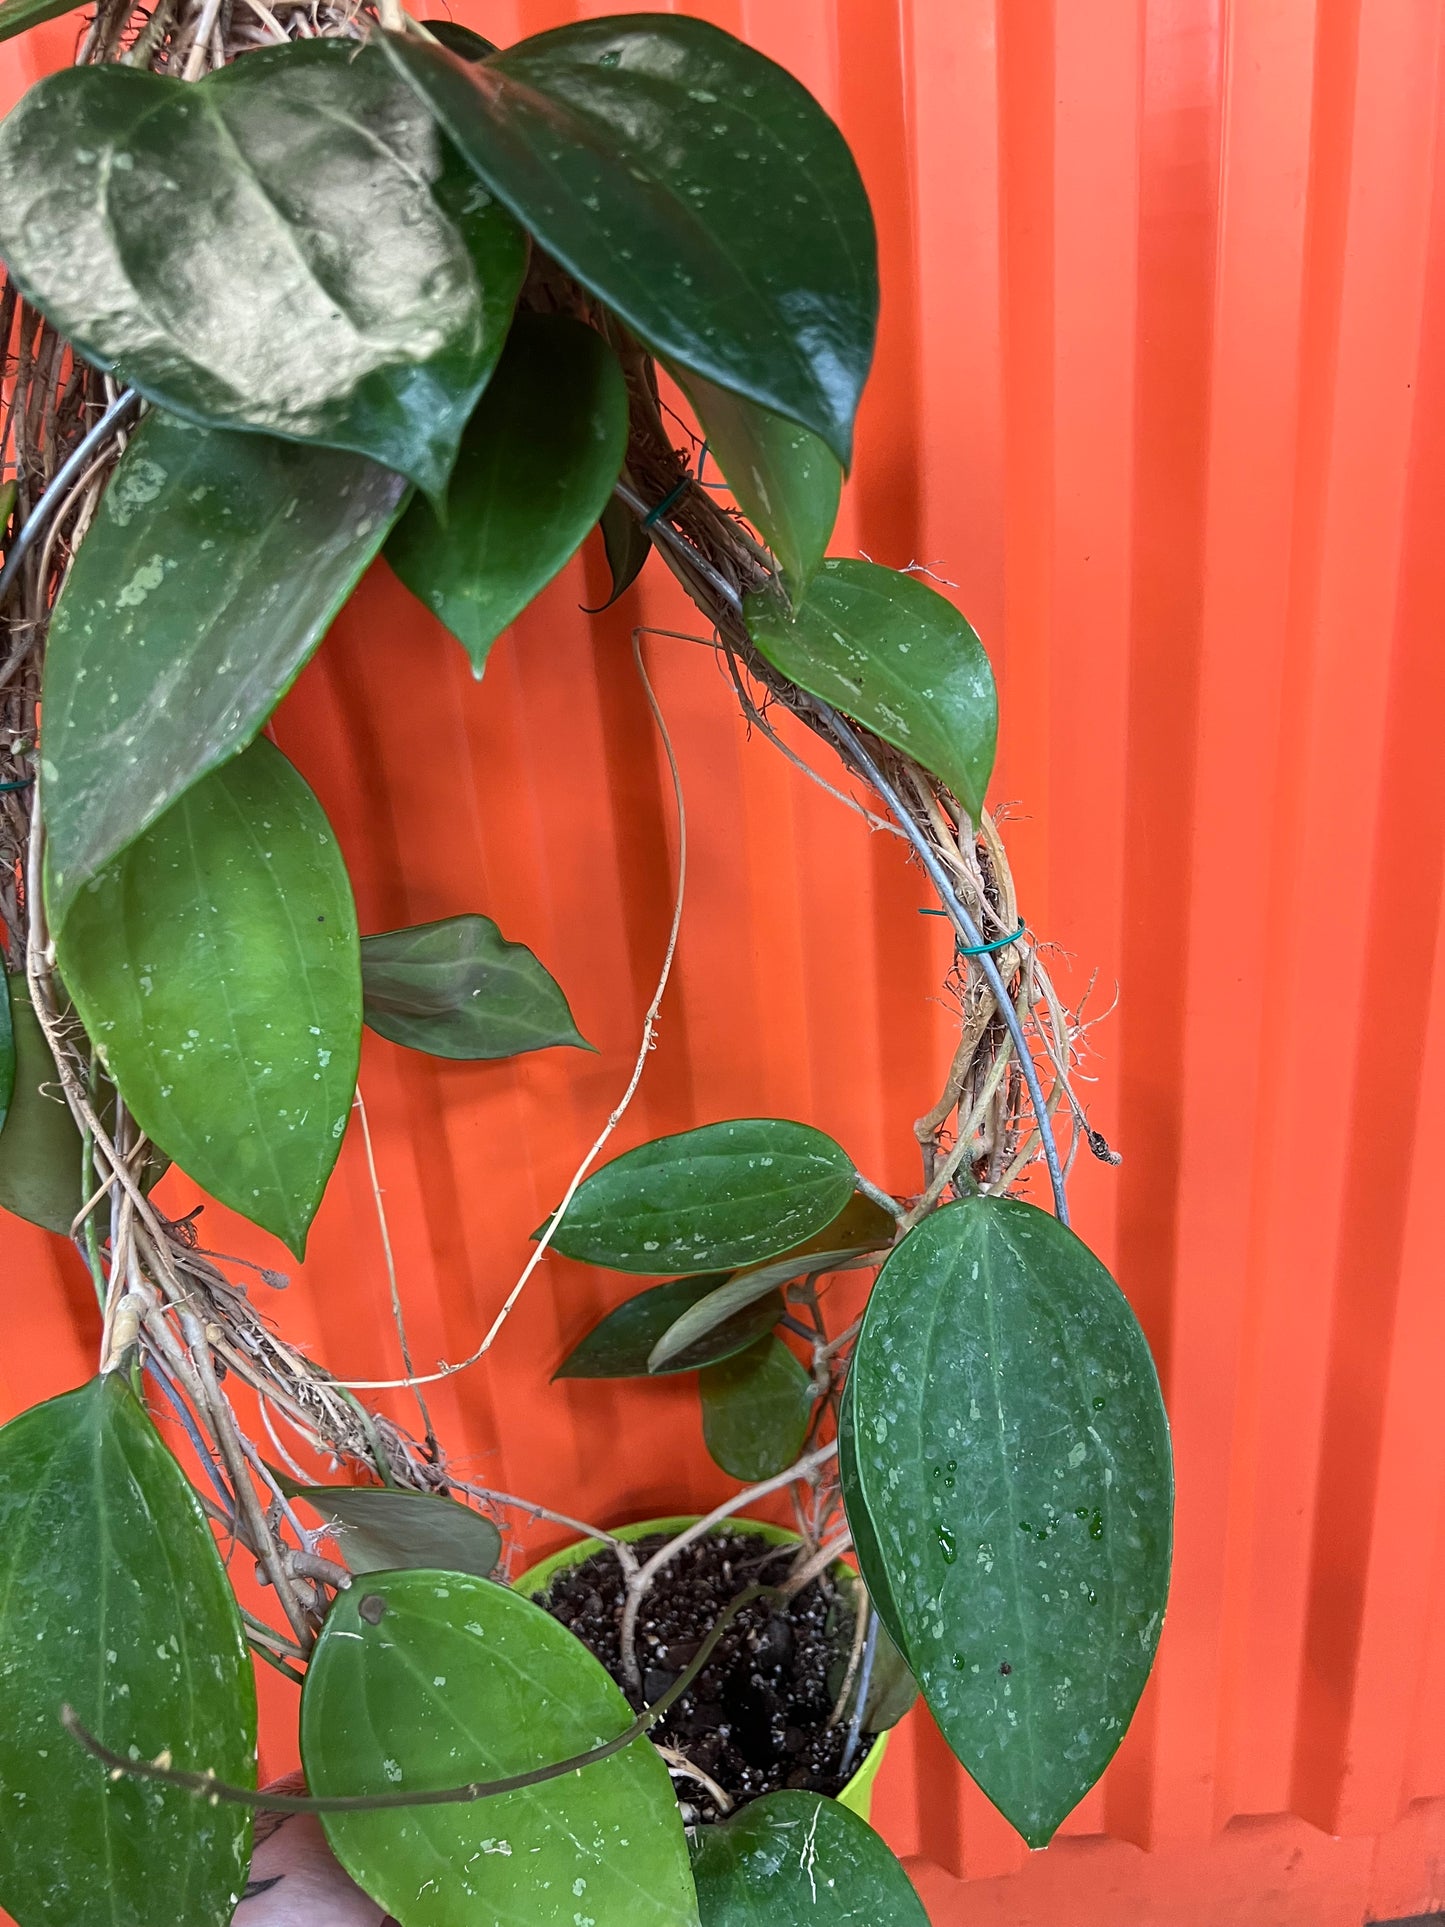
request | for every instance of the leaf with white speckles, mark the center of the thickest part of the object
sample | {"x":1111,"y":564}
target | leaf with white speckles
{"x":113,"y":1600}
{"x":799,"y":1860}
{"x":212,"y":570}
{"x":897,"y":657}
{"x":1010,"y":1461}
{"x":217,"y":966}
{"x":433,"y":1679}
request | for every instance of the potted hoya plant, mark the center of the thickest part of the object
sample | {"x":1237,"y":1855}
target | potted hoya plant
{"x":288,"y":288}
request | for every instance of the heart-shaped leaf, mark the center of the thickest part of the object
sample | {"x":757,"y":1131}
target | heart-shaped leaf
{"x":799,"y":1860}
{"x":536,"y":466}
{"x":695,"y":187}
{"x":755,"y":1410}
{"x":113,"y":1600}
{"x":18,"y":16}
{"x":861,"y":1226}
{"x":381,"y":1528}
{"x":724,"y":1195}
{"x":1012,"y":1454}
{"x":213,"y":568}
{"x":627,"y":547}
{"x":457,"y":988}
{"x":432,"y":1679}
{"x":782,"y":477}
{"x":896,"y":656}
{"x":286,"y":245}
{"x":619,"y":1346}
{"x":217,"y":967}
{"x":41,"y":1151}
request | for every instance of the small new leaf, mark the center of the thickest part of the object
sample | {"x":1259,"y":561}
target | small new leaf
{"x":626,"y":546}
{"x":536,"y":467}
{"x":380,"y":1529}
{"x":458,"y":989}
{"x":622,"y":1344}
{"x":295,"y":250}
{"x":725,"y":1195}
{"x":897,"y":657}
{"x":695,"y":187}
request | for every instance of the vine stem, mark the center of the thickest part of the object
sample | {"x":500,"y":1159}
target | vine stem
{"x":973,"y":937}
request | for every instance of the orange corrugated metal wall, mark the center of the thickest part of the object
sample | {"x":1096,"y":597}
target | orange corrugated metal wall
{"x":1161,"y":390}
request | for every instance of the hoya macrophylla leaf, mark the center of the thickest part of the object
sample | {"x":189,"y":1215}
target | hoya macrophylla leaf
{"x":1011,"y":1455}
{"x":114,"y":1601}
{"x":216,"y":966}
{"x":755,"y":1410}
{"x":897,"y":657}
{"x":621,"y":1344}
{"x":434,"y":1679}
{"x":536,"y":468}
{"x":795,"y":1859}
{"x":457,"y":988}
{"x":294,"y":248}
{"x":212,"y":569}
{"x":381,"y":1527}
{"x":694,"y":186}
{"x":725,"y":1195}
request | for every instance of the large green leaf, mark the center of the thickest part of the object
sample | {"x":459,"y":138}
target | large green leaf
{"x":18,"y":16}
{"x":755,"y":1410}
{"x":381,"y":1527}
{"x":692,"y":185}
{"x":216,"y":965}
{"x":799,"y":1860}
{"x":457,"y":988}
{"x":620,"y":1345}
{"x":536,"y":467}
{"x":860,"y":1524}
{"x":41,"y":1153}
{"x":432,"y":1679}
{"x":211,"y":572}
{"x":1013,"y":1455}
{"x":725,"y":1195}
{"x":286,"y":245}
{"x":896,"y":656}
{"x":861,"y":1226}
{"x":784,"y":479}
{"x":113,"y":1600}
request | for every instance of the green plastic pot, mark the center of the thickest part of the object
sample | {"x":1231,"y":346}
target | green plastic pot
{"x":857,"y":1792}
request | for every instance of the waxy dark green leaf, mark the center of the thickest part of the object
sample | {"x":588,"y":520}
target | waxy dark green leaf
{"x":293,"y":248}
{"x":627,"y":547}
{"x":861,"y":1226}
{"x":457,"y":988}
{"x":782,"y":477}
{"x":695,"y":187}
{"x":619,"y":1346}
{"x":212,"y":570}
{"x":18,"y":16}
{"x":432,"y":1679}
{"x":216,"y":964}
{"x":896,"y":656}
{"x":799,"y":1860}
{"x":113,"y":1601}
{"x":1013,"y":1456}
{"x":460,"y":40}
{"x":860,"y":1524}
{"x":755,"y":1410}
{"x":380,"y":1528}
{"x":537,"y":464}
{"x":40,"y":1148}
{"x":725,"y":1195}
